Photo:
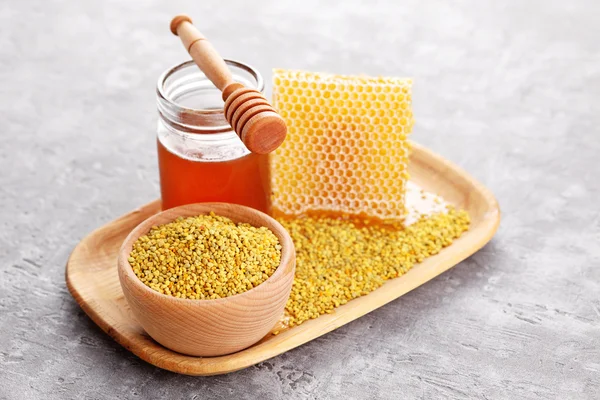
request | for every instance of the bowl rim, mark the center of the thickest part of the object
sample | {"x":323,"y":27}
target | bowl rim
{"x":288,"y":252}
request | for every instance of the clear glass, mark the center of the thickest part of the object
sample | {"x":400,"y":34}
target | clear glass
{"x":200,"y":157}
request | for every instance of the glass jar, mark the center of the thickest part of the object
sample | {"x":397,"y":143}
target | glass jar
{"x":200,"y":157}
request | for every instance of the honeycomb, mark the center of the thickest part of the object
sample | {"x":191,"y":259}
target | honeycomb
{"x":346,"y":150}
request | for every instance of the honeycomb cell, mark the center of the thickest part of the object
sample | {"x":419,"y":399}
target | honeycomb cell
{"x":347,"y":137}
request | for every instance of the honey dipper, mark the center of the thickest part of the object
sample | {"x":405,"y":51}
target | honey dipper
{"x":248,"y":112}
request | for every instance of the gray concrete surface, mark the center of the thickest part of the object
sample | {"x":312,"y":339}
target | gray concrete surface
{"x":508,"y":90}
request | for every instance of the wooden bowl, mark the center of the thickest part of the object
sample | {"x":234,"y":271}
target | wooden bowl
{"x":210,"y":327}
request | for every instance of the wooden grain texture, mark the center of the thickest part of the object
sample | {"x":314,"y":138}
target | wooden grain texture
{"x":209,"y":327}
{"x":249,"y":113}
{"x":93,"y":280}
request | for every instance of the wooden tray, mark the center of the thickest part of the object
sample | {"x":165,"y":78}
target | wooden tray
{"x":92,"y":279}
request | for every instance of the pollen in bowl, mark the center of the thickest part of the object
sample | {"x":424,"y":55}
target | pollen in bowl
{"x":244,"y":180}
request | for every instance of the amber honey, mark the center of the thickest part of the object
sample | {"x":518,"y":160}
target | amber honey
{"x":200,"y":158}
{"x":243,"y":180}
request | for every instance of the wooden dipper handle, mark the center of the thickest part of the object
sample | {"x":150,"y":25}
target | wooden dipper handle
{"x":202,"y":51}
{"x":248,"y":112}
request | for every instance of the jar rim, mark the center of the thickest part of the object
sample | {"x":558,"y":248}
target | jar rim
{"x":160,"y":87}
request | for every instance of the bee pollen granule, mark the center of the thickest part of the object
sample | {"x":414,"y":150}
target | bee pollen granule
{"x":337,"y":261}
{"x":205,"y":257}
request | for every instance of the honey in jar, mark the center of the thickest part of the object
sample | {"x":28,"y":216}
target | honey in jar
{"x":200,"y":157}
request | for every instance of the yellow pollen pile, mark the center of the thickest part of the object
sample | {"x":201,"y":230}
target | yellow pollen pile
{"x":336,"y":261}
{"x":346,"y":150}
{"x":205,"y":257}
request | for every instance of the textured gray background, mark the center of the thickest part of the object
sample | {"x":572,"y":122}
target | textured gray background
{"x":508,"y":91}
